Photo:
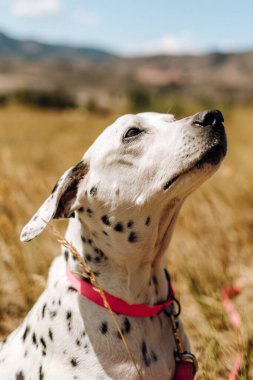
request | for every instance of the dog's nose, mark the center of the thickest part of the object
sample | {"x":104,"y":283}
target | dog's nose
{"x":208,"y":118}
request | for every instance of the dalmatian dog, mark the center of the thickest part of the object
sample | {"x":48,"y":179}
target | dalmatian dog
{"x":123,"y":199}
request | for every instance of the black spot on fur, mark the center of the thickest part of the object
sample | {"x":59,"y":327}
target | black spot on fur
{"x":71,"y":289}
{"x":156,"y":284}
{"x":74,"y":362}
{"x":41,"y":374}
{"x":26,"y":332}
{"x":97,"y":259}
{"x":50,"y":334}
{"x":143,"y":348}
{"x":144,"y":351}
{"x":93,"y":190}
{"x":90,"y":241}
{"x":101,"y":253}
{"x":69,"y":319}
{"x":81,"y":209}
{"x":130,"y":224}
{"x":127,"y":326}
{"x":154,"y":356}
{"x":148,"y":220}
{"x":105,"y":233}
{"x":66,"y":255}
{"x":78,"y":343}
{"x":119,"y":227}
{"x":20,"y":376}
{"x":34,"y":339}
{"x":132,"y":237}
{"x":89,"y":211}
{"x":167,"y":275}
{"x":68,"y":315}
{"x":42,"y":341}
{"x":86,"y":347}
{"x":53,"y":314}
{"x":88,"y":257}
{"x":105,"y":220}
{"x":104,"y":328}
{"x":84,"y":239}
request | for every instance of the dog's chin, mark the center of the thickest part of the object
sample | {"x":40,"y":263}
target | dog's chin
{"x":211,"y":159}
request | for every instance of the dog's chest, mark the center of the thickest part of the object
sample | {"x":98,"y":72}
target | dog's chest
{"x":67,"y":336}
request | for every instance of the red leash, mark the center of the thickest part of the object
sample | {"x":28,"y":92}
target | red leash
{"x":186,"y":362}
{"x":227,"y":294}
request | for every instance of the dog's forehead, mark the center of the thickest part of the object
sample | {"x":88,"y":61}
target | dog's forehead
{"x":142,"y":119}
{"x":157,"y":117}
{"x":150,"y":117}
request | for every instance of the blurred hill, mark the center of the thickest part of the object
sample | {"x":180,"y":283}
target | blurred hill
{"x":13,"y":48}
{"x":89,"y":72}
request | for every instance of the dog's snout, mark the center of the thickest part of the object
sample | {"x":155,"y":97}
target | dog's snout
{"x":208,"y":118}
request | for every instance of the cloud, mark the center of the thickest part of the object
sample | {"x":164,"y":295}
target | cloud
{"x":86,"y":17}
{"x":169,"y":44}
{"x":35,"y":8}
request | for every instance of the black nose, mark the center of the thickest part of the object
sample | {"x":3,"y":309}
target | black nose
{"x":208,"y":118}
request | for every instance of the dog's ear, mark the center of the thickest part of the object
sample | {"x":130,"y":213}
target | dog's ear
{"x":58,"y":204}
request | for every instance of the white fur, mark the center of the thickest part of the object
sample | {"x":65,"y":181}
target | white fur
{"x":128,"y":252}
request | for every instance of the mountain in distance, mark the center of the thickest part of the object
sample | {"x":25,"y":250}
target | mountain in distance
{"x":30,"y":49}
{"x":88,"y":71}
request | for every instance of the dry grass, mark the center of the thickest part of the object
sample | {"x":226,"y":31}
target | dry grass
{"x":211,"y":247}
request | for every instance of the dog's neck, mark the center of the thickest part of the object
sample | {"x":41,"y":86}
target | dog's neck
{"x":132,"y":274}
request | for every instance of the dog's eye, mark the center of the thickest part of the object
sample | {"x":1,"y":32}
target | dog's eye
{"x":132,"y":132}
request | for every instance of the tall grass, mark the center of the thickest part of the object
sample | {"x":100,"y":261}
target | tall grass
{"x":212,"y":245}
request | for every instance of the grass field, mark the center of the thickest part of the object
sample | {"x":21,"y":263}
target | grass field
{"x":211,"y":248}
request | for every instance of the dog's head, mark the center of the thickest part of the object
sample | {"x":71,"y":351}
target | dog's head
{"x":141,"y":166}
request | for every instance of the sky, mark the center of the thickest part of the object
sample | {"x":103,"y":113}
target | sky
{"x":131,"y":27}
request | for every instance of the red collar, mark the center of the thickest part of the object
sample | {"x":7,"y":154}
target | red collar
{"x":117,"y":304}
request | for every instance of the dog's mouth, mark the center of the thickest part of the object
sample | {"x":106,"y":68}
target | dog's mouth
{"x":213,"y":157}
